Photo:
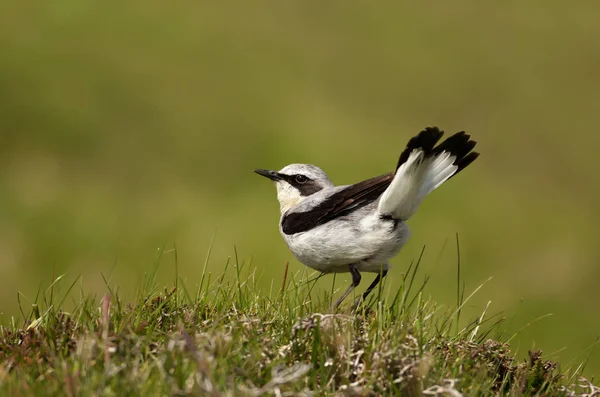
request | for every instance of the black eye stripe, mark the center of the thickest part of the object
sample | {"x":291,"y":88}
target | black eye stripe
{"x":296,"y":179}
{"x":305,"y":187}
{"x":308,"y":188}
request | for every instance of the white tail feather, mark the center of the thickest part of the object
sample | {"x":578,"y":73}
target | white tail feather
{"x":414,"y":180}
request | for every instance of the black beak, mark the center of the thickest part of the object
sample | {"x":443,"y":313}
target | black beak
{"x":272,"y":175}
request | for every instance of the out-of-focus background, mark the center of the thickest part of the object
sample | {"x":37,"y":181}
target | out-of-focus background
{"x":133,"y":124}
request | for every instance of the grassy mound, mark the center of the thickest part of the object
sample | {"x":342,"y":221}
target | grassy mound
{"x":226,"y":338}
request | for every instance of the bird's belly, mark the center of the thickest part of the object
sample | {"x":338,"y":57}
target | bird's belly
{"x":331,"y":247}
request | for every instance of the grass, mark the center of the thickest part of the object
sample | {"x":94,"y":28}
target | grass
{"x":228,"y":338}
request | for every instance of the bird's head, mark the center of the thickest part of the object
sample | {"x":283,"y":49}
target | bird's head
{"x":295,"y":182}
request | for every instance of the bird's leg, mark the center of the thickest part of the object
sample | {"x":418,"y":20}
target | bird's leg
{"x":355,"y":281}
{"x":371,"y":287}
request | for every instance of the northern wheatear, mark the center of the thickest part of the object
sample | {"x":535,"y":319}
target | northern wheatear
{"x":358,"y":228}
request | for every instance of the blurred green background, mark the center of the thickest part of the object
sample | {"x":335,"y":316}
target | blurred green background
{"x":126,"y":125}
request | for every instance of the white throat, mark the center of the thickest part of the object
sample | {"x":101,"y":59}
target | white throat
{"x":287,"y":195}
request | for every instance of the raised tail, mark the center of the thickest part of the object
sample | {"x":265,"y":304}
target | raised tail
{"x":422,"y":167}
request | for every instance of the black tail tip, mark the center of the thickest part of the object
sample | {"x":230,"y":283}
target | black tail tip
{"x":465,"y":161}
{"x":458,"y":144}
{"x":424,"y":140}
{"x":428,"y":137}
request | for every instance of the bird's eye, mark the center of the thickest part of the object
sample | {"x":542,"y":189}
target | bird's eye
{"x":301,"y":179}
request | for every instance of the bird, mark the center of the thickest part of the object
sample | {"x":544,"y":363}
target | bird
{"x":360,"y":227}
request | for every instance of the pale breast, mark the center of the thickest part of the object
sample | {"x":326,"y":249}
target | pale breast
{"x":362,"y":238}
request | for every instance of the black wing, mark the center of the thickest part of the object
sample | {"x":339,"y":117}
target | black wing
{"x":338,"y":204}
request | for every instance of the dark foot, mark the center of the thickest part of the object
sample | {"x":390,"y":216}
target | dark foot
{"x":360,"y":300}
{"x":355,"y":282}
